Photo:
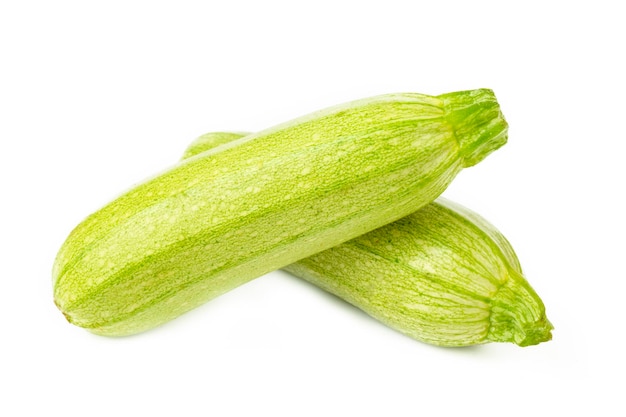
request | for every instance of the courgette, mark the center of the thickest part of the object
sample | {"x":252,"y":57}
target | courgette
{"x":442,"y":275}
{"x":221,"y":218}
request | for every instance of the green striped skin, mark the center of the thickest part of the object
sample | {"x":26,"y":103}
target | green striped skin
{"x":223,"y":217}
{"x":442,"y":275}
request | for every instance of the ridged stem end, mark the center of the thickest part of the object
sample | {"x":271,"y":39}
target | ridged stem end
{"x":478,"y":123}
{"x":518,"y":315}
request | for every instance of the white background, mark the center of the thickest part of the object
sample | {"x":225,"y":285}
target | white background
{"x":97,"y":96}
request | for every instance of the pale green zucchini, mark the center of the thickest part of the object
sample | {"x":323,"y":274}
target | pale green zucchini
{"x":224,"y":217}
{"x":442,"y":275}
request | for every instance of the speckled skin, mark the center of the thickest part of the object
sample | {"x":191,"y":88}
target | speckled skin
{"x":442,"y":275}
{"x":224,"y":217}
{"x":436,"y":276}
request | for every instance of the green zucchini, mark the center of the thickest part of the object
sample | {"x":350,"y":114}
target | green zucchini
{"x":223,"y":217}
{"x":442,"y":275}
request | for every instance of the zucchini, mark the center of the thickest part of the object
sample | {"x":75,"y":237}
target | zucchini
{"x":442,"y":275}
{"x":223,"y":217}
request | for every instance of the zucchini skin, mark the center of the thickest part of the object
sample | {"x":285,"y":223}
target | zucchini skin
{"x":221,"y":218}
{"x":436,"y":276}
{"x":442,"y":275}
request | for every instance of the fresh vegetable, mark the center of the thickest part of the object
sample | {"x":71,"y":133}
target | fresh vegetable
{"x":442,"y":275}
{"x":224,"y":217}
